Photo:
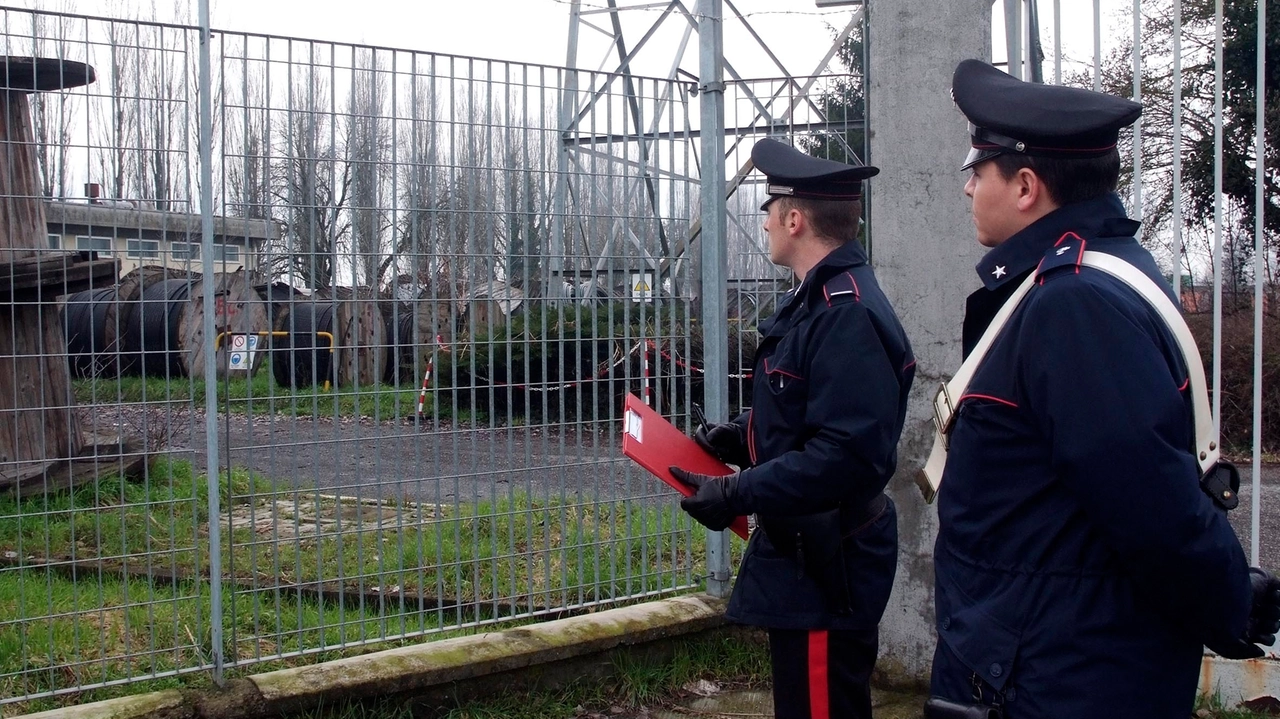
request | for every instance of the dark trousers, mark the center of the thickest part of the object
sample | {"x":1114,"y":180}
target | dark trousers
{"x":822,"y":674}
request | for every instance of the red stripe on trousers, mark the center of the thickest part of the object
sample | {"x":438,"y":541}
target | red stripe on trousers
{"x":819,"y":702}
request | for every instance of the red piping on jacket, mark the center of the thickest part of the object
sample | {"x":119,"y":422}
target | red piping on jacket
{"x":987,"y":397}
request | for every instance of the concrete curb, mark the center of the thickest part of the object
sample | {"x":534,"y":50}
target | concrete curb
{"x":420,"y":667}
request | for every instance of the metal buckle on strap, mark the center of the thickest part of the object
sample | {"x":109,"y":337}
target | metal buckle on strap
{"x":944,"y":413}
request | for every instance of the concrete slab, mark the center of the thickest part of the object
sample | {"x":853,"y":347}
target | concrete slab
{"x":759,"y":703}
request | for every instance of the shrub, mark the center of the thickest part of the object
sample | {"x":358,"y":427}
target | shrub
{"x":1237,"y":376}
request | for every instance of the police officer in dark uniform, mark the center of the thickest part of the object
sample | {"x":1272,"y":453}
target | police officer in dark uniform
{"x":829,"y":397}
{"x":1080,"y":568}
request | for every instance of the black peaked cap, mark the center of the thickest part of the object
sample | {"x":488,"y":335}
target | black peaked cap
{"x":792,"y":173}
{"x":1007,"y":115}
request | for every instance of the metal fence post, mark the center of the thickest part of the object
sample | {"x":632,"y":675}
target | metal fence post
{"x":210,"y":356}
{"x":1259,"y":275}
{"x":715,"y":327}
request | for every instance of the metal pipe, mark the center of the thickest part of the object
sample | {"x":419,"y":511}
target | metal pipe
{"x":1177,"y":149}
{"x":1259,"y":273}
{"x":715,"y":255}
{"x":1013,"y":37}
{"x":568,"y":99}
{"x":1097,"y":45}
{"x":1217,"y":216}
{"x":1057,"y":42}
{"x":210,"y":364}
{"x":1137,"y":211}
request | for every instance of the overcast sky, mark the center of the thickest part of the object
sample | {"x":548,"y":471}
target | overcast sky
{"x":536,"y":31}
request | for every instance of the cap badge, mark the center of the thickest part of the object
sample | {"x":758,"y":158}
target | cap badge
{"x":1021,"y":147}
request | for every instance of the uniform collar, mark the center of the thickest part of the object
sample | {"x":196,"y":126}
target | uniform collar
{"x":1099,"y":217}
{"x":850,"y":254}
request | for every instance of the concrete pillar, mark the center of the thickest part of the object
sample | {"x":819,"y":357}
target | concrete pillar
{"x":924,"y":250}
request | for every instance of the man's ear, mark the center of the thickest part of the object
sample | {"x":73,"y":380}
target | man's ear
{"x":1030,"y":188}
{"x":794,"y":221}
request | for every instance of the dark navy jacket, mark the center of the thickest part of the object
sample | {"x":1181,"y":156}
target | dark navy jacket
{"x":1080,"y":568}
{"x":832,"y":375}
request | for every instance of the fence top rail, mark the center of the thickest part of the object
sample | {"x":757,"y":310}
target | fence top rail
{"x":338,"y":43}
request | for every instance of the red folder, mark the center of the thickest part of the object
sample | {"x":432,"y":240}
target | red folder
{"x":656,"y":444}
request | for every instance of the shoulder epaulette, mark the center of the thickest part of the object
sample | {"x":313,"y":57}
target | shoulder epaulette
{"x":841,"y":288}
{"x":1068,"y":251}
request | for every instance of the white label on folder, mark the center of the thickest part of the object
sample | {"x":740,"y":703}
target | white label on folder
{"x":634,"y":426}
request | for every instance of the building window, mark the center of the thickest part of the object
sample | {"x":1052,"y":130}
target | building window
{"x":142,"y":248}
{"x":226,"y":253}
{"x":55,"y":242}
{"x":183,"y":251}
{"x":101,"y":245}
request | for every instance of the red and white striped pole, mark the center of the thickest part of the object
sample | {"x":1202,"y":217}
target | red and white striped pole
{"x":644,"y":372}
{"x":426,"y":380}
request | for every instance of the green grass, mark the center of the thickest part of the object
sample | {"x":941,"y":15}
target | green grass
{"x":116,"y":619}
{"x":1216,"y":709}
{"x":257,"y":395}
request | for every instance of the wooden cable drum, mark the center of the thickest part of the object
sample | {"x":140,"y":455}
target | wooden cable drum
{"x":162,"y":327}
{"x":360,"y":333}
{"x":84,"y":322}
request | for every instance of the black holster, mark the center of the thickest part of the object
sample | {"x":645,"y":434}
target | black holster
{"x":816,"y":543}
{"x":937,"y":708}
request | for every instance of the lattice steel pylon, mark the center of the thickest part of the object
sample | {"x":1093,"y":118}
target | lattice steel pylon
{"x":643,"y":43}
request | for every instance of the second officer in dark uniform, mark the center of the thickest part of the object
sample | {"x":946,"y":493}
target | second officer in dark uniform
{"x":829,"y":397}
{"x":1080,"y":567}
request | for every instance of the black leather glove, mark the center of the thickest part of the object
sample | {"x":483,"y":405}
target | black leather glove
{"x":727,"y":441}
{"x":712,"y":502}
{"x":1264,"y":618}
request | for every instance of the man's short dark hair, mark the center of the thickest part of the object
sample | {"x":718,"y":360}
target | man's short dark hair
{"x":1067,"y":180}
{"x":833,"y":220}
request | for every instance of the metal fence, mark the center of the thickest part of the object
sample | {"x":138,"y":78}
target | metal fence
{"x":356,"y":374}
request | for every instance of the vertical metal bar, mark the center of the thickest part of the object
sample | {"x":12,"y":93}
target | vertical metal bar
{"x":1057,"y":41}
{"x":568,"y":103}
{"x":1259,"y":273}
{"x":714,"y":253}
{"x":1177,"y":149}
{"x":1013,"y":37}
{"x":1136,"y":210}
{"x":210,"y":357}
{"x":1097,"y":45}
{"x":1217,"y":216}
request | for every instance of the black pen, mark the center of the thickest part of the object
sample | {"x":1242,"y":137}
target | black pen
{"x":698,"y":416}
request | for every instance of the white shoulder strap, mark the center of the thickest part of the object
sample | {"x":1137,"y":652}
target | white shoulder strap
{"x":949,"y":393}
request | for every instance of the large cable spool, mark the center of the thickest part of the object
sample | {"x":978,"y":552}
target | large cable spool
{"x":162,"y":317}
{"x":303,"y":358}
{"x":84,"y":323}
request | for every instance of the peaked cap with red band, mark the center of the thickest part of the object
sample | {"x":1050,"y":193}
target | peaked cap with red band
{"x":1007,"y":115}
{"x":792,"y":173}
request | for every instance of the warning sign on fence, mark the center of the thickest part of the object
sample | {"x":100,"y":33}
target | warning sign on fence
{"x":641,"y":287}
{"x":242,"y":349}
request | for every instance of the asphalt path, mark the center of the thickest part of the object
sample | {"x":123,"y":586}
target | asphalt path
{"x":420,"y":462}
{"x":409,"y":461}
{"x":1269,"y":514}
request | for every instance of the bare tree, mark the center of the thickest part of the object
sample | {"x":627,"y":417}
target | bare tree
{"x":246,"y":153}
{"x":368,"y":146}
{"x":312,"y":183}
{"x":53,"y":114}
